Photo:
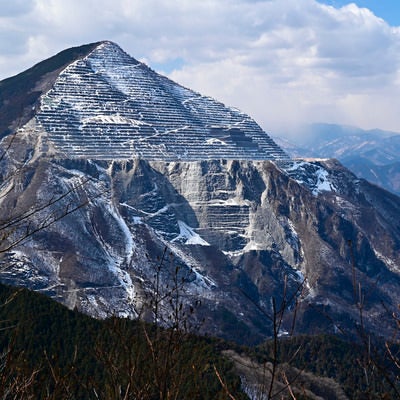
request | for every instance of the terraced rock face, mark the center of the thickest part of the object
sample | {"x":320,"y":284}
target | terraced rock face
{"x":109,"y":106}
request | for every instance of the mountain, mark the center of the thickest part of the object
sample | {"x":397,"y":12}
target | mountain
{"x":118,"y":184}
{"x":373,"y":155}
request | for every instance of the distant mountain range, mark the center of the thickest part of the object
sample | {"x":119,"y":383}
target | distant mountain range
{"x":123,"y":184}
{"x":371,"y":154}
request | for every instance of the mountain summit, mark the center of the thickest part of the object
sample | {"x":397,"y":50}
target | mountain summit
{"x":111,"y":175}
{"x":107,"y":105}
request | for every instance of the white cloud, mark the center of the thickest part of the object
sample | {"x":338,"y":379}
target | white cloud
{"x":15,"y":8}
{"x":282,"y":61}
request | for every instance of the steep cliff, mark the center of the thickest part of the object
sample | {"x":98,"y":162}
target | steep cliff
{"x":237,"y":229}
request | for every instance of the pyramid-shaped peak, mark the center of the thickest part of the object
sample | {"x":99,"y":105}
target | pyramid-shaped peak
{"x":108,"y":50}
{"x":107,"y":105}
{"x":109,"y":45}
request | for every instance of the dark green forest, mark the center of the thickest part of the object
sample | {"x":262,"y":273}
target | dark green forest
{"x":50,"y":352}
{"x":72,"y":356}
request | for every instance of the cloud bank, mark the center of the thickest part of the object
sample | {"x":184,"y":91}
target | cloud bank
{"x":284,"y":62}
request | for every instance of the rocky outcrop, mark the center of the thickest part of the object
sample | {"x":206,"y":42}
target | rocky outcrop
{"x":240,"y":231}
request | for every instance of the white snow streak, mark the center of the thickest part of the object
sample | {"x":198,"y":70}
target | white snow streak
{"x":115,"y":264}
{"x":390,"y":263}
{"x":188,"y":234}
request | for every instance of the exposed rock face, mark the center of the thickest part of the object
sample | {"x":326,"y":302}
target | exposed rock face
{"x":240,"y":226}
{"x":110,"y":106}
{"x":241,"y":230}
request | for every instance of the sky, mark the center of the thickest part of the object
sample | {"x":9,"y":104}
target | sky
{"x":283,"y":62}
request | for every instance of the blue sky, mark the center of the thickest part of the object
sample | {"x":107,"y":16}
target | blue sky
{"x":284,"y":62}
{"x":389,"y":10}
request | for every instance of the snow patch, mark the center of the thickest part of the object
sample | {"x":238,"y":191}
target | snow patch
{"x":113,"y":119}
{"x":323,"y":183}
{"x":216,"y":141}
{"x":233,"y":201}
{"x":296,"y":165}
{"x":390,"y":263}
{"x":311,"y":175}
{"x":252,"y":245}
{"x":187,"y":234}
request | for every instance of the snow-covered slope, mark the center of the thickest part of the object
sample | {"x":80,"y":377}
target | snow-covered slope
{"x":109,"y":106}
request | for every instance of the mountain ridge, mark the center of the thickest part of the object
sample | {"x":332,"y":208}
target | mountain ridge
{"x":19,"y":94}
{"x":373,"y":155}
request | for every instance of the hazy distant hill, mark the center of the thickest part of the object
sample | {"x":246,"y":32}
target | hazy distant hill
{"x":373,"y":155}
